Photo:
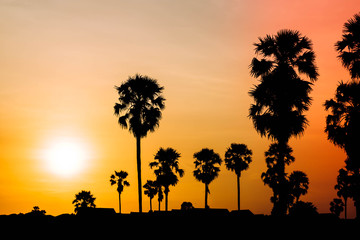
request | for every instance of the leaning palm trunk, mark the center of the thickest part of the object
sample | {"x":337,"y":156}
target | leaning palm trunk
{"x":238,"y":191}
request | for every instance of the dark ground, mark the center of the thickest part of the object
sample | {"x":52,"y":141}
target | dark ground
{"x":196,"y":224}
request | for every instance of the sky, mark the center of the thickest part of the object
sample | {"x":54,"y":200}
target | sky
{"x":60,"y":61}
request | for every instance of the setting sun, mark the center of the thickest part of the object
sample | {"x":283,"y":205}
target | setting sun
{"x":65,"y":157}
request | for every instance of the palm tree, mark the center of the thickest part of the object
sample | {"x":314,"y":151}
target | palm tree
{"x":282,"y":95}
{"x":299,"y":184}
{"x":342,"y":125}
{"x":272,"y":176}
{"x":344,"y":187}
{"x":166,"y":166}
{"x":139,"y":110}
{"x":207,"y":168}
{"x":84,"y":199}
{"x":349,"y":46}
{"x":119,"y":179}
{"x":151,"y":189}
{"x":237,"y":159}
{"x":337,"y":206}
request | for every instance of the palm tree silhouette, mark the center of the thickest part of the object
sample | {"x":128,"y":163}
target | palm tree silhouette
{"x":139,"y":110}
{"x":349,"y":46}
{"x":299,"y":184}
{"x":84,"y":199}
{"x":237,"y":159}
{"x":344,"y":187}
{"x":272,"y":176}
{"x":342,"y":124}
{"x":337,"y":206}
{"x":119,"y":179}
{"x":207,"y":168}
{"x":282,"y":95}
{"x":151,"y":189}
{"x":166,"y":166}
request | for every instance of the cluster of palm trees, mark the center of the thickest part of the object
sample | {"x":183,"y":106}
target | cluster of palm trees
{"x":285,"y":69}
{"x":343,"y":121}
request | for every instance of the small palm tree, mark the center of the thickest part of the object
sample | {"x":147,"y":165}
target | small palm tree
{"x":336,"y":206}
{"x":139,"y":110}
{"x":84,"y":199}
{"x":344,"y":187}
{"x":299,"y":184}
{"x":207,"y":168}
{"x":166,"y":166}
{"x":237,"y":159}
{"x":151,"y":189}
{"x":119,"y":179}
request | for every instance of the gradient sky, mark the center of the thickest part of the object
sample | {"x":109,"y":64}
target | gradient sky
{"x":60,"y":60}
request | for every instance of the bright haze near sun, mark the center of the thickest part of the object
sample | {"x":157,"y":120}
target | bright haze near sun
{"x":65,"y":157}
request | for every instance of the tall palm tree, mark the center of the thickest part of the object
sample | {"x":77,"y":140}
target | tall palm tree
{"x":84,"y":199}
{"x":207,"y":168}
{"x":151,"y":189}
{"x":139,"y":109}
{"x":237,"y":159}
{"x":282,"y":95}
{"x":349,"y":46}
{"x":299,"y":184}
{"x":166,"y":166}
{"x":342,"y":124}
{"x":119,"y":179}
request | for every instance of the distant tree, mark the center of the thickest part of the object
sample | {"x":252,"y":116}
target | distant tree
{"x":282,"y":96}
{"x":151,"y":189}
{"x":186,"y":206}
{"x":84,"y":199}
{"x":303,"y":209}
{"x":166,"y":166}
{"x":119,"y":179}
{"x":237,"y":159}
{"x":37,"y":212}
{"x":344,"y":187}
{"x":207,"y":168}
{"x":139,"y":110}
{"x":336,"y":206}
{"x":299,"y":184}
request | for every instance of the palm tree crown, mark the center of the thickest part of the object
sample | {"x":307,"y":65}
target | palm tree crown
{"x":84,"y":199}
{"x":282,"y":96}
{"x":238,"y":158}
{"x":140,"y":105}
{"x":349,"y":46}
{"x":119,"y":179}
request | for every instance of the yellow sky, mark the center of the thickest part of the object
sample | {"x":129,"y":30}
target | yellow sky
{"x":59,"y":62}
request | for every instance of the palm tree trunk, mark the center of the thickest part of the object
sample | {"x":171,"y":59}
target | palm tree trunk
{"x":238,"y":191}
{"x":138,"y":158}
{"x":345,"y":206}
{"x":119,"y":204}
{"x":166,"y":200}
{"x":150,"y":205}
{"x":282,"y":206}
{"x":206,"y":196}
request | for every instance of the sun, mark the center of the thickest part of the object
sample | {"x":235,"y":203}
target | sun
{"x":65,"y":157}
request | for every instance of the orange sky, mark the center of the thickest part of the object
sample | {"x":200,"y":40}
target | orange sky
{"x":61,"y":59}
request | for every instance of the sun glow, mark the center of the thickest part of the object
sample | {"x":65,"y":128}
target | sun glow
{"x":65,"y":157}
